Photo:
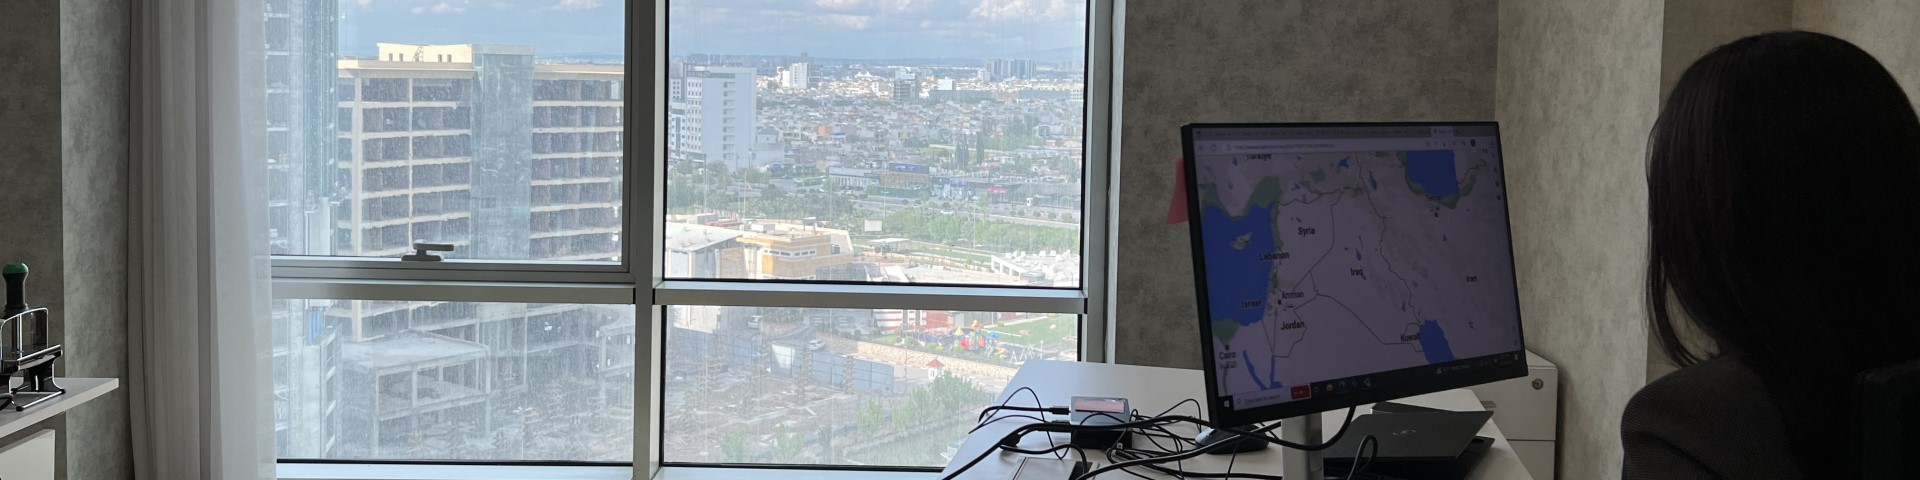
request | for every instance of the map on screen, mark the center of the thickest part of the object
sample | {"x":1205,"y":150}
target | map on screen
{"x":1335,"y":260}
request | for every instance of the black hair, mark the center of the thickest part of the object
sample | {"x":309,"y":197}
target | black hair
{"x":1781,"y":180}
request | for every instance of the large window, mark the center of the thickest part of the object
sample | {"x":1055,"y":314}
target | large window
{"x":493,"y":127}
{"x":841,"y":386}
{"x":864,"y":143}
{"x":831,"y":230}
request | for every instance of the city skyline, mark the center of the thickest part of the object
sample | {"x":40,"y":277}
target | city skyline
{"x":826,"y":29}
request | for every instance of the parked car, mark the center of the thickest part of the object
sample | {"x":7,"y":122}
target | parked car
{"x":816,"y":344}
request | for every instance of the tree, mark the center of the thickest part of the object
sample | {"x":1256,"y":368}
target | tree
{"x":902,"y":418}
{"x":753,"y":175}
{"x":953,"y":392}
{"x":734,"y":448}
{"x":786,"y":444}
{"x":870,"y":418}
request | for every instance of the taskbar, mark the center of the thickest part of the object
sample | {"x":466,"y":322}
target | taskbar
{"x":1335,"y":389}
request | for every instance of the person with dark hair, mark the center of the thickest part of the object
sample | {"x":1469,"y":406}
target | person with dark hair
{"x":1782,"y":227}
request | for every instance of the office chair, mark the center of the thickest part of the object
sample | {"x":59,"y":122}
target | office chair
{"x":1890,"y":421}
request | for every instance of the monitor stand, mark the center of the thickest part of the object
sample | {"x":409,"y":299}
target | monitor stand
{"x":1301,"y":464}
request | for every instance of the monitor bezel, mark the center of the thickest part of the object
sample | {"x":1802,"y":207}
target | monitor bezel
{"x":1505,"y":365}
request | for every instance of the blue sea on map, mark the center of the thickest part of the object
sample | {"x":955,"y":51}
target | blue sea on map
{"x":1433,"y":170}
{"x":1229,"y":271}
{"x":1433,"y":342}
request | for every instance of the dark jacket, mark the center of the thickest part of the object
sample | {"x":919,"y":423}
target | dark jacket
{"x":1712,"y":420}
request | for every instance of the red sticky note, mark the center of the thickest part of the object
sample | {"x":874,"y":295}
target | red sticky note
{"x":1177,"y":207}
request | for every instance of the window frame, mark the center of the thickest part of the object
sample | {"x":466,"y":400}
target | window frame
{"x":638,"y":280}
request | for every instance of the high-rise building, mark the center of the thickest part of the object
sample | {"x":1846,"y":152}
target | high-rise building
{"x":1005,"y":69}
{"x":906,"y":86}
{"x":507,"y":158}
{"x":717,"y":108}
{"x":302,"y":151}
{"x":797,"y":76}
{"x":450,"y":140}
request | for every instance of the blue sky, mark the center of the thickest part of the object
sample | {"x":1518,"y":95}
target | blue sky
{"x":823,"y":28}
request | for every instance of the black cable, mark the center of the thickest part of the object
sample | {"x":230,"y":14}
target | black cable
{"x":997,"y":447}
{"x":1365,"y":442}
{"x":1037,"y":407}
{"x":1169,"y":419}
{"x":1036,"y":397}
{"x":1208,"y":448}
{"x":1136,"y":474}
{"x":1004,"y":417}
{"x":1255,"y":434}
{"x":1136,"y":454}
{"x":996,"y":408}
{"x":1196,"y":408}
{"x":1054,"y":449}
{"x":1230,"y":459}
{"x":1153,"y":438}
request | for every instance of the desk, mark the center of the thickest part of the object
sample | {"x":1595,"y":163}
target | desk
{"x":31,"y":455}
{"x":1152,"y":389}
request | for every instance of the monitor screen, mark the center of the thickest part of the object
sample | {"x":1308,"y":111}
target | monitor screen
{"x":1345,"y":264}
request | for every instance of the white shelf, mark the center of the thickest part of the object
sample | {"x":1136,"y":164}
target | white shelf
{"x":79,"y":390}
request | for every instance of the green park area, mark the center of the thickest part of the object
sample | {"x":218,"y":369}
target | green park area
{"x":1055,"y":332}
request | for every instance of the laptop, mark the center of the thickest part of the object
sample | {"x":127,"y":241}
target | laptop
{"x":1413,"y":445}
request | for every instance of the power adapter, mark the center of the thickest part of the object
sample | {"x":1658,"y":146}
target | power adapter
{"x":1095,"y":411}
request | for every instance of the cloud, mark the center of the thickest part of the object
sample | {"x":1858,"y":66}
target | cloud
{"x":441,"y":8}
{"x":874,"y":28}
{"x":1029,"y":10}
{"x":577,"y":5}
{"x":872,"y":6}
{"x":841,"y":20}
{"x":363,"y":3}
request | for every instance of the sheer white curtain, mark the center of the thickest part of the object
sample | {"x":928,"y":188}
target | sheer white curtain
{"x":199,"y":290}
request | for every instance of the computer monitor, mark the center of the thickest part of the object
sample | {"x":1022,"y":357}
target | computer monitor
{"x":1346,"y":264}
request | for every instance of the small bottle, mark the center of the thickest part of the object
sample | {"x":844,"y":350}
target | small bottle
{"x":16,"y":275}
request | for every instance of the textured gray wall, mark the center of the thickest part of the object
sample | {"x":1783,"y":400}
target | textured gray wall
{"x":1888,"y":29}
{"x":1691,"y":28}
{"x":30,"y":159}
{"x":1266,"y":61}
{"x":63,"y":120}
{"x":95,"y":59}
{"x":1578,"y":91}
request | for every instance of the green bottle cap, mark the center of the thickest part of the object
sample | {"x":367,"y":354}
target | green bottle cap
{"x":13,"y":268}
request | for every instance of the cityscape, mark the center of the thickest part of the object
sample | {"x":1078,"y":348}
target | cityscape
{"x":958,"y":171}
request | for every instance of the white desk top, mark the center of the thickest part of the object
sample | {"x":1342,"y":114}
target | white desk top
{"x":1152,"y":389}
{"x":79,"y":390}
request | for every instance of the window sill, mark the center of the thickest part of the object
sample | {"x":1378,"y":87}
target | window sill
{"x":723,"y":473}
{"x":343,"y":471}
{"x":335,"y":471}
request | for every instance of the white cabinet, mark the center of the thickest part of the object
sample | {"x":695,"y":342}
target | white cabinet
{"x":30,"y":458}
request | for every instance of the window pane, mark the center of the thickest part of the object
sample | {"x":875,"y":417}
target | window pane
{"x":493,"y":126}
{"x":929,"y":142}
{"x":837,"y":386}
{"x":453,"y":381}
